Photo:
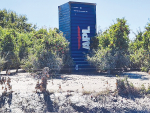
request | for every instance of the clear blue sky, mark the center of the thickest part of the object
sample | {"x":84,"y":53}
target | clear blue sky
{"x":45,"y":12}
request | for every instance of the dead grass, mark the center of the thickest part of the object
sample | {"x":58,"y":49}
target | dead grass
{"x":103,"y":93}
{"x":125,"y":88}
{"x":84,"y":92}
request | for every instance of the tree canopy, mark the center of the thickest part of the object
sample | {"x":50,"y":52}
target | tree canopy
{"x":9,"y":19}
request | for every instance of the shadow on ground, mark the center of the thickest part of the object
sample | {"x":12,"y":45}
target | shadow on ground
{"x":5,"y":99}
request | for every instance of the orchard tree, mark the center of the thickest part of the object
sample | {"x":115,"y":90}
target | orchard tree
{"x":139,"y":49}
{"x":142,"y":39}
{"x":41,"y":33}
{"x":23,"y":50}
{"x":9,"y":19}
{"x":137,"y":43}
{"x":113,"y":43}
{"x":7,"y":43}
{"x":146,"y":37}
{"x":8,"y":49}
{"x":117,"y":36}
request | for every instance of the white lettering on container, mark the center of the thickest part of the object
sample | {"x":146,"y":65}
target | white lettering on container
{"x":86,"y":44}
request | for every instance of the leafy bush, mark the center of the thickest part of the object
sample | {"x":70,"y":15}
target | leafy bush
{"x":142,"y":89}
{"x":122,"y":59}
{"x":102,"y":59}
{"x":12,"y":61}
{"x":116,"y":37}
{"x":6,"y":39}
{"x":2,"y":62}
{"x":29,"y":64}
{"x":48,"y":59}
{"x":148,"y":90}
{"x":139,"y":50}
{"x":94,"y":43}
{"x":44,"y":59}
{"x":8,"y":49}
{"x":50,"y":49}
{"x":107,"y":59}
{"x":112,"y":50}
{"x":19,"y":42}
{"x":9,"y":19}
{"x":140,"y":59}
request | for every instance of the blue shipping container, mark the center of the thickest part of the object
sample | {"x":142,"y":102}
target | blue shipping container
{"x":77,"y":20}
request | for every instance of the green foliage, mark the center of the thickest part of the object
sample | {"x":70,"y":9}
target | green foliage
{"x":139,"y":50}
{"x":23,"y":44}
{"x":107,"y":59}
{"x":148,"y":90}
{"x":41,"y":33}
{"x":103,"y":59}
{"x":137,"y":43}
{"x":2,"y":62}
{"x":137,"y":58}
{"x":144,"y":69}
{"x":146,"y":37}
{"x":55,"y":42}
{"x":50,"y":49}
{"x":28,"y":64}
{"x":116,"y":37}
{"x":23,"y":47}
{"x":48,"y":59}
{"x":112,"y":50}
{"x":9,"y":19}
{"x":12,"y":60}
{"x":142,"y":89}
{"x":19,"y":42}
{"x":7,"y":43}
{"x":94,"y":43}
{"x":23,"y":52}
{"x":8,"y":48}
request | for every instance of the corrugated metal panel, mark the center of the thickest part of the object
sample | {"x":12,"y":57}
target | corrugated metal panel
{"x":78,"y":20}
{"x":64,"y":20}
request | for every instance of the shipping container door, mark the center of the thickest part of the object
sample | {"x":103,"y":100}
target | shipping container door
{"x":83,"y":28}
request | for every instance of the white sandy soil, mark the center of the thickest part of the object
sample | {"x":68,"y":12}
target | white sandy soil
{"x":23,"y":84}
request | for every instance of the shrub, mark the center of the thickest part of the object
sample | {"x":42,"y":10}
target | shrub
{"x":140,"y":59}
{"x":111,"y":47}
{"x":102,"y":59}
{"x":125,"y":88}
{"x":144,"y":69}
{"x":48,"y":59}
{"x":45,"y":49}
{"x":107,"y":59}
{"x":53,"y":51}
{"x":44,"y":59}
{"x":116,"y":36}
{"x":148,"y":90}
{"x":143,"y":89}
{"x":12,"y":61}
{"x":2,"y":62}
{"x":8,"y":46}
{"x":29,"y":64}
